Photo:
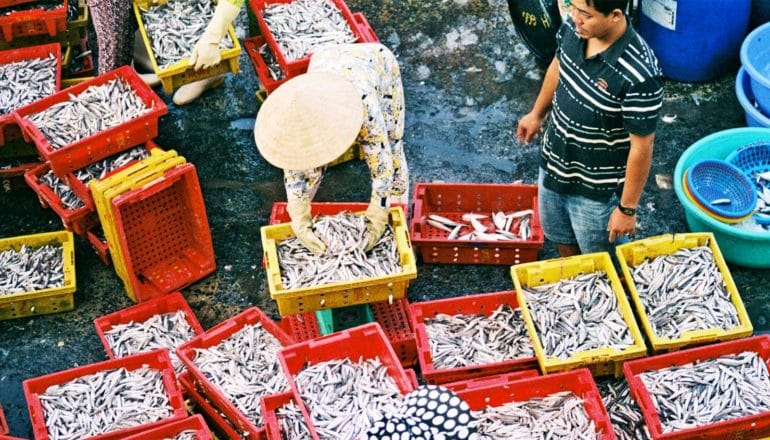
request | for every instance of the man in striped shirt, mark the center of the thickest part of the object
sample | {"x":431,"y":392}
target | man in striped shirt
{"x":604,"y":91}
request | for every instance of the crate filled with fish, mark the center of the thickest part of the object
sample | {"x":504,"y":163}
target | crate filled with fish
{"x":283,"y":418}
{"x":345,"y":381}
{"x":490,"y":380}
{"x":471,"y":336}
{"x":201,"y":405}
{"x":80,"y":62}
{"x":12,"y":170}
{"x":235,"y":363}
{"x":564,"y":405}
{"x":92,"y":120}
{"x":42,"y":17}
{"x":26,"y":75}
{"x":66,"y":201}
{"x":165,"y":322}
{"x":295,"y":28}
{"x":106,"y":400}
{"x":264,"y":63}
{"x":625,"y":414}
{"x":37,"y":274}
{"x":279,"y":214}
{"x":76,"y":24}
{"x":476,"y":223}
{"x":718,"y":391}
{"x":683,"y":291}
{"x":190,"y":428}
{"x":392,"y":316}
{"x":366,"y":30}
{"x":345,"y":275}
{"x":98,"y":242}
{"x":577,"y":314}
{"x":171,"y":28}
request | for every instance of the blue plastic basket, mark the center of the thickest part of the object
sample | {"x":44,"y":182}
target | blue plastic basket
{"x":711,"y":180}
{"x":752,"y":159}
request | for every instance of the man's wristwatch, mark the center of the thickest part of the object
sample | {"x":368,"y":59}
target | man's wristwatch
{"x":627,"y":211}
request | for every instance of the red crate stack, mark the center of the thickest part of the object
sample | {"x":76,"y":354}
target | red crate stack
{"x":366,"y":31}
{"x":3,"y":423}
{"x":34,"y":22}
{"x":252,"y":45}
{"x":78,"y":220}
{"x":270,"y":404}
{"x":9,"y":3}
{"x":172,"y":429}
{"x":490,"y":380}
{"x":209,"y":412}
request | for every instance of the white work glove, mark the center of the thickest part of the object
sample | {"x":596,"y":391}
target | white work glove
{"x":206,"y":51}
{"x":376,"y":222}
{"x":302,"y":225}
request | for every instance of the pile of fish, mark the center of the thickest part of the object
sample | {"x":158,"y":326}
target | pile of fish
{"x":175,"y":27}
{"x":78,"y":60}
{"x":301,"y":26}
{"x":710,"y":391}
{"x":762,"y":186}
{"x":345,"y":398}
{"x":272,"y":63}
{"x":577,"y":314}
{"x":69,"y":199}
{"x":188,"y":434}
{"x":625,"y":415}
{"x":23,"y":82}
{"x":98,"y":170}
{"x":96,"y":109}
{"x":292,"y":422}
{"x":344,"y":260}
{"x":164,"y":330}
{"x":467,"y":340}
{"x":31,"y":268}
{"x":105,"y":402}
{"x":558,"y":416}
{"x":683,"y":292}
{"x":245,"y":367}
{"x":498,"y":226}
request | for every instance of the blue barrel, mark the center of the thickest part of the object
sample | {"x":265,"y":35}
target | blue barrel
{"x":695,"y":40}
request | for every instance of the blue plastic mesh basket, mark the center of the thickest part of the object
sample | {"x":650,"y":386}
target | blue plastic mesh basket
{"x":712,"y":181}
{"x":752,"y":159}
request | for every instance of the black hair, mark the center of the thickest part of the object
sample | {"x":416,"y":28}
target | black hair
{"x":607,"y":6}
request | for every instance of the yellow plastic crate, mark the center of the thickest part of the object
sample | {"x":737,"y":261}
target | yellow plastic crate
{"x":350,"y":154}
{"x":601,"y":361}
{"x":66,"y":57}
{"x":341,"y":294}
{"x":634,"y":253}
{"x":39,"y":302}
{"x":180,"y":73}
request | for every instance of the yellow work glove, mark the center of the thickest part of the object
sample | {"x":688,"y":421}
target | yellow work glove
{"x":376,"y":221}
{"x":302,"y":225}
{"x":206,"y":51}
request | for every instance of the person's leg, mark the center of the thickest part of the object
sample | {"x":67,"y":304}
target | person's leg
{"x":554,"y":219}
{"x":589,"y":221}
{"x":190,"y":92}
{"x":114,"y":23}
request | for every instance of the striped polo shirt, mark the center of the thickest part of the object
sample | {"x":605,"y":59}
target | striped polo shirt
{"x":598,"y":102}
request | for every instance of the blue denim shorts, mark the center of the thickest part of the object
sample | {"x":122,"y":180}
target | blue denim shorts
{"x":576,"y":220}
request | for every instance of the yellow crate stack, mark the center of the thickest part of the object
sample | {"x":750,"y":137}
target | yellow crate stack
{"x":340,"y":294}
{"x":38,"y":302}
{"x":601,"y":361}
{"x":631,"y":254}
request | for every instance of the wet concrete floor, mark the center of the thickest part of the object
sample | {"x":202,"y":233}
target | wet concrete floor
{"x":468,"y":79}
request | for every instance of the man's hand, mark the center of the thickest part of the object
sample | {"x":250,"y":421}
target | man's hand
{"x":621,"y":224}
{"x":530,"y":126}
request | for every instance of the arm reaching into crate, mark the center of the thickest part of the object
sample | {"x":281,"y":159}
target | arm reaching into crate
{"x":206,"y":52}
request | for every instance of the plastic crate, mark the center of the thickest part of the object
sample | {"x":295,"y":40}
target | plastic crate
{"x":39,"y":302}
{"x":10,"y":135}
{"x":252,"y":45}
{"x":579,"y":382}
{"x":181,"y":73}
{"x":485,"y":303}
{"x":3,"y":424}
{"x":88,"y":61}
{"x":296,"y":67}
{"x":34,"y":22}
{"x":75,"y":31}
{"x":157,"y":359}
{"x":601,"y":361}
{"x":164,"y":234}
{"x":170,"y":303}
{"x":452,"y":200}
{"x":364,"y":342}
{"x":13,"y":178}
{"x":271,"y":404}
{"x":634,"y":253}
{"x":28,"y":53}
{"x":343,"y":318}
{"x":365,"y":29}
{"x":79,"y":220}
{"x":490,"y":380}
{"x":756,"y":426}
{"x":8,"y":4}
{"x":169,"y":430}
{"x":101,"y":145}
{"x":214,"y":336}
{"x":339,"y":294}
{"x":99,"y":246}
{"x":69,"y":82}
{"x":217,"y":421}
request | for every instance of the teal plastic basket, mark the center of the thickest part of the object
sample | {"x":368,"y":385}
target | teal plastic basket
{"x":745,"y":248}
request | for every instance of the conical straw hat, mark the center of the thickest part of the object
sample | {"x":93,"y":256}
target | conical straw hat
{"x":309,"y":121}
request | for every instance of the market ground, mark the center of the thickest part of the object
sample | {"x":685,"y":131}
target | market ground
{"x":467,"y":78}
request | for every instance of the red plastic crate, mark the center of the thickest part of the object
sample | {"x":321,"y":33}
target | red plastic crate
{"x":79,"y":221}
{"x":3,"y":423}
{"x":299,"y":66}
{"x":26,"y":53}
{"x":157,"y":359}
{"x":169,"y":430}
{"x":452,"y":200}
{"x":101,"y":145}
{"x":252,"y":45}
{"x":220,"y":424}
{"x":490,"y":380}
{"x":363,"y":342}
{"x":164,"y":234}
{"x":214,"y":336}
{"x":100,"y":247}
{"x":9,"y":3}
{"x":34,"y":22}
{"x":364,"y":28}
{"x":88,"y":62}
{"x":9,"y":130}
{"x":485,"y":303}
{"x":756,"y":426}
{"x":579,"y":382}
{"x":279,"y":214}
{"x":170,"y":303}
{"x":270,"y":404}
